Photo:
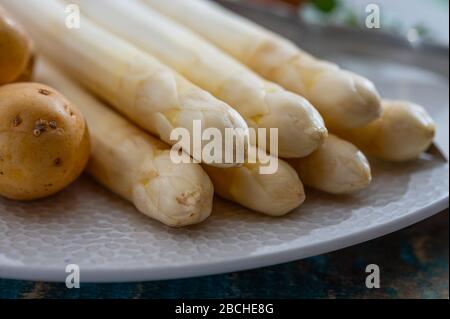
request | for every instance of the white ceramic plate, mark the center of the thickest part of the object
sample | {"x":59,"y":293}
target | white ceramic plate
{"x":111,"y":242}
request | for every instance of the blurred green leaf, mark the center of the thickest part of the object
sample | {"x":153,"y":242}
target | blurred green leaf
{"x":351,"y":19}
{"x":326,"y":6}
{"x":422,"y":30}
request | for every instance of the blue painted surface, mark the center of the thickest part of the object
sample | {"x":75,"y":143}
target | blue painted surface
{"x":414,"y":263}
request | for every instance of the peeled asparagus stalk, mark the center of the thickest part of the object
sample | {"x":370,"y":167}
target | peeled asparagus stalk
{"x":343,"y":98}
{"x":135,"y":165}
{"x":337,"y":167}
{"x":272,"y":194}
{"x":262,"y":104}
{"x":135,"y":83}
{"x":404,"y":131}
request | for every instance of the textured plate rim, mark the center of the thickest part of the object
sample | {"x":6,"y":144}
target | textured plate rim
{"x":116,"y":275}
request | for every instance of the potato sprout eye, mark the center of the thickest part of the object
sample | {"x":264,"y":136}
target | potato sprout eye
{"x":52,"y":124}
{"x":44,"y":92}
{"x":17,"y":121}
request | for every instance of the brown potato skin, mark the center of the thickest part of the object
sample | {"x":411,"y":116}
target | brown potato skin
{"x":44,"y":141}
{"x":16,"y":51}
{"x":27,"y":73}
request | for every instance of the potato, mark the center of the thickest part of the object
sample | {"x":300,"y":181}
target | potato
{"x":16,"y":51}
{"x":44,"y":142}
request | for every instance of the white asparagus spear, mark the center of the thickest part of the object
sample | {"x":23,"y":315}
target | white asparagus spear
{"x":135,"y":83}
{"x":404,"y":131}
{"x":272,"y":194}
{"x":337,"y":167}
{"x":135,"y":165}
{"x":263,"y":104}
{"x":343,"y":98}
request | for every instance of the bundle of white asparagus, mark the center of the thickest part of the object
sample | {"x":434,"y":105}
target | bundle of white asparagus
{"x":349,"y":103}
{"x":263,"y":104}
{"x":146,"y":91}
{"x":344,"y":99}
{"x":135,"y":165}
{"x":138,"y":167}
{"x":159,"y":73}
